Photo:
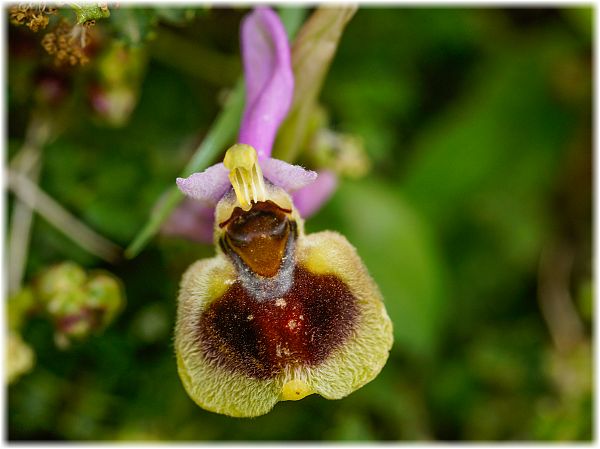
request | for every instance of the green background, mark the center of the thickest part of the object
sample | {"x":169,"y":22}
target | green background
{"x":478,"y":125}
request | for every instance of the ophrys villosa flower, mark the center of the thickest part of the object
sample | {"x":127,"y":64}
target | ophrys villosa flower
{"x":276,"y":314}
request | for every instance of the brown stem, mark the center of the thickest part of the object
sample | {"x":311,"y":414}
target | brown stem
{"x":28,"y":162}
{"x":30,"y":193}
{"x":555,"y":299}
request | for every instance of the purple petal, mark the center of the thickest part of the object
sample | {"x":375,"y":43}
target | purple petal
{"x":287,"y":176}
{"x":310,"y":199}
{"x":192,"y":220}
{"x":208,"y":186}
{"x":269,"y":79}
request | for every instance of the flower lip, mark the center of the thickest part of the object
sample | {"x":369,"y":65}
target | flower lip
{"x":262,"y":338}
{"x":239,"y":354}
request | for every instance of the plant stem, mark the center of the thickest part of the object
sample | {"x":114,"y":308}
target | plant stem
{"x":29,"y":192}
{"x":312,"y":53}
{"x":28,"y":162}
{"x":556,"y":303}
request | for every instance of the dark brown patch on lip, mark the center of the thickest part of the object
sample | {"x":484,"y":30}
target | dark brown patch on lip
{"x":260,"y":338}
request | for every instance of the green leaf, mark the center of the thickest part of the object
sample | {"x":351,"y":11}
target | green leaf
{"x":481,"y":141}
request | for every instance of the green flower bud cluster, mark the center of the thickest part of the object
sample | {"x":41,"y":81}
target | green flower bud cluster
{"x":342,"y":153}
{"x":78,"y":303}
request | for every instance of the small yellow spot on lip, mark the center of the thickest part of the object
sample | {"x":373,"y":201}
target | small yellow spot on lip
{"x":295,"y":390}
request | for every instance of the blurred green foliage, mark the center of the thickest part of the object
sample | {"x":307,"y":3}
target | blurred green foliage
{"x":478,"y":124}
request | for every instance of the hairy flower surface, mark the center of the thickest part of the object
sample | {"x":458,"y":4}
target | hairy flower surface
{"x":276,"y":314}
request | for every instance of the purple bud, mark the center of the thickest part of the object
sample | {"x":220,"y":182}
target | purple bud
{"x":192,"y":220}
{"x":310,"y":198}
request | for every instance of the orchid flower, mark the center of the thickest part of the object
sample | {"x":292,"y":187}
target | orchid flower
{"x":276,"y":314}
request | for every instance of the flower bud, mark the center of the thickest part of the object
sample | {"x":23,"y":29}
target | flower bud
{"x":104,"y":296}
{"x":61,"y":279}
{"x":78,"y":304}
{"x":114,"y":95}
{"x":112,"y":105}
{"x":343,"y":153}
